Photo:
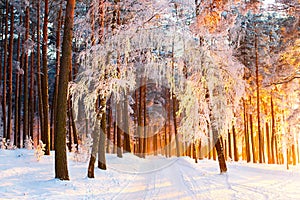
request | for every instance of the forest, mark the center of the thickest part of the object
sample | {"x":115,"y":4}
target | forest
{"x":215,"y":79}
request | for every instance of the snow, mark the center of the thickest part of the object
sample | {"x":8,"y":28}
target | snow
{"x":130,"y":177}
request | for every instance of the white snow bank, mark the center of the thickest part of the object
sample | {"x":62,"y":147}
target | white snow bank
{"x":22,"y":177}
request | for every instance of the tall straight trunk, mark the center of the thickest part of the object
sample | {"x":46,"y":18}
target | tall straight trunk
{"x":101,"y":146}
{"x":167,"y":135}
{"x":165,"y":141}
{"x":31,"y":98}
{"x":25,"y":112}
{"x":140,"y":120}
{"x":229,"y":145}
{"x":246,"y":132}
{"x":252,"y":138}
{"x":294,"y":157}
{"x":74,"y":129}
{"x":119,"y":129}
{"x":10,"y":73}
{"x":61,"y":168}
{"x":287,"y":159}
{"x":258,"y":100}
{"x":5,"y":70}
{"x":276,"y":151}
{"x":175,"y":125}
{"x":174,"y":111}
{"x":21,"y":134}
{"x":225,"y":149}
{"x":272,"y":131}
{"x":135,"y":121}
{"x":127,"y":147}
{"x":201,"y":153}
{"x":1,"y":51}
{"x":268,"y":143}
{"x":1,"y":55}
{"x":195,"y":152}
{"x":155,"y":142}
{"x":69,"y":129}
{"x":169,"y":124}
{"x":235,"y":150}
{"x":46,"y":133}
{"x":114,"y":137}
{"x":298,"y":150}
{"x":38,"y":71}
{"x":109,"y":121}
{"x":57,"y":66}
{"x":145,"y":120}
{"x":17,"y":97}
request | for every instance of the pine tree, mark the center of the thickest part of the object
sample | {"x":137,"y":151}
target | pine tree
{"x":61,"y":168}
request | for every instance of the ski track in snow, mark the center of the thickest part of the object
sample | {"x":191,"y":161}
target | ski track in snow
{"x":152,"y":178}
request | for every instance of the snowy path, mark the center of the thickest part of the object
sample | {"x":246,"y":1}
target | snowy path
{"x":21,"y":177}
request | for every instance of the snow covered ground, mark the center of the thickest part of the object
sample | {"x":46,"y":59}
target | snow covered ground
{"x":22,"y":177}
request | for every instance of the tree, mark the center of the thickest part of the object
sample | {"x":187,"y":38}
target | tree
{"x":10,"y":73}
{"x":25,"y":52}
{"x":5,"y":70}
{"x":61,"y":169}
{"x":57,"y":66}
{"x":38,"y":70}
{"x":46,"y":133}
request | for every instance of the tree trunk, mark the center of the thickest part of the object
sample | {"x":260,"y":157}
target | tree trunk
{"x":61,"y":168}
{"x":57,"y":66}
{"x":119,"y":129}
{"x":195,"y":153}
{"x":140,"y":121}
{"x":246,"y":132}
{"x":273,"y":132}
{"x":294,"y":154}
{"x":96,"y":134}
{"x":229,"y":145}
{"x":127,"y":147}
{"x":252,"y":139}
{"x":268,"y":143}
{"x":175,"y":125}
{"x":21,"y":134}
{"x":145,"y":119}
{"x":10,"y":73}
{"x":69,"y":130}
{"x":74,"y":129}
{"x":25,"y":112}
{"x":17,"y":97}
{"x":5,"y":70}
{"x":217,"y":141}
{"x":101,"y":147}
{"x":166,"y":124}
{"x":1,"y":55}
{"x":109,"y":121}
{"x":220,"y":151}
{"x":46,"y":133}
{"x":31,"y":98}
{"x":235,"y":150}
{"x":260,"y":149}
{"x":38,"y":73}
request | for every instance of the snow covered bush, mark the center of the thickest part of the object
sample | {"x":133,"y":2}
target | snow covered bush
{"x":3,"y":144}
{"x":39,"y":151}
{"x":28,"y":143}
{"x":10,"y":145}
